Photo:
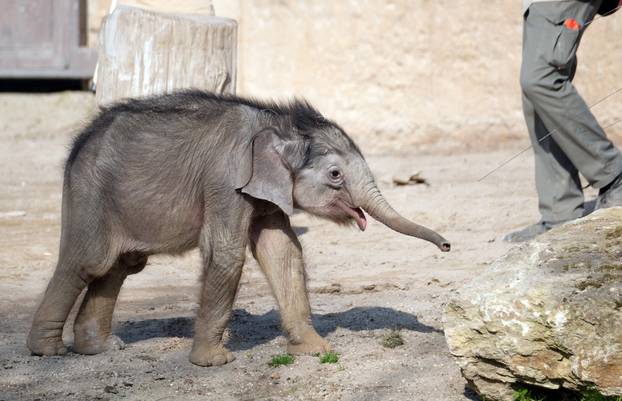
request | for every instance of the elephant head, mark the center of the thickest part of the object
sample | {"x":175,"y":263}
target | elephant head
{"x":308,"y":162}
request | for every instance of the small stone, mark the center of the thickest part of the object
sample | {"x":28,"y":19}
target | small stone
{"x":410,"y":180}
{"x":393,"y":340}
{"x":110,"y":390}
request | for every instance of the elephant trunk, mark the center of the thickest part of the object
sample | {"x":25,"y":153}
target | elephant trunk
{"x":374,"y":203}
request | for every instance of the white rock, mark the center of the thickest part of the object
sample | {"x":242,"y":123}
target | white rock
{"x":545,"y":314}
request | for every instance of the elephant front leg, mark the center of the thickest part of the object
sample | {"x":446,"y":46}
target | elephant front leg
{"x":222,"y":271}
{"x":279,"y":254}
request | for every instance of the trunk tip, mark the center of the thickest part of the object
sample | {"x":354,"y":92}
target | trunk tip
{"x":444,"y":246}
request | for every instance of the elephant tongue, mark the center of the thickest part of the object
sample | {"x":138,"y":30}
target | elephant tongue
{"x":356,"y":213}
{"x":359,"y":216}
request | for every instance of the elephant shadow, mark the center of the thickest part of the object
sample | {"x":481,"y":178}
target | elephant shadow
{"x":247,"y":330}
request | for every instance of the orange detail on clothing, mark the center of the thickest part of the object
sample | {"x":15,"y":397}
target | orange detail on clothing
{"x":572,"y":24}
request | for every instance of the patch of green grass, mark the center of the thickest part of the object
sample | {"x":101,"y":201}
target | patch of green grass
{"x":393,"y":340}
{"x":524,"y":394}
{"x":329,"y":357}
{"x":283,"y":359}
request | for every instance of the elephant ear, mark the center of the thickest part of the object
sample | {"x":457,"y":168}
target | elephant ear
{"x":263,"y":173}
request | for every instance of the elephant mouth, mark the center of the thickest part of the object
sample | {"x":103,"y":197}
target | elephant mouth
{"x":354,"y":212}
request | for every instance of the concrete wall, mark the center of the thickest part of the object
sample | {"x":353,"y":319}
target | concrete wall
{"x":405,"y":73}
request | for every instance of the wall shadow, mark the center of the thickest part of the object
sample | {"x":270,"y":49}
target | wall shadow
{"x":248,"y":330}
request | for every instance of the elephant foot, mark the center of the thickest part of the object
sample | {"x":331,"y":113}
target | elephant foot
{"x":211,"y":356}
{"x":307,"y":343}
{"x":93,"y":347}
{"x":91,"y":339}
{"x":46,"y":342}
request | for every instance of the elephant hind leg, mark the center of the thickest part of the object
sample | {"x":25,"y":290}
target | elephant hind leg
{"x":84,"y":256}
{"x":46,"y":333}
{"x":93,"y":326}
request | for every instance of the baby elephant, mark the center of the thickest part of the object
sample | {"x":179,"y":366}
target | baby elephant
{"x":170,"y":173}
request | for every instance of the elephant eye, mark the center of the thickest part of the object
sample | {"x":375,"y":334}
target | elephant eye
{"x":335,"y":174}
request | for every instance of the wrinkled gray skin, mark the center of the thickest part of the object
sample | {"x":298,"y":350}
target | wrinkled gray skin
{"x":168,"y":174}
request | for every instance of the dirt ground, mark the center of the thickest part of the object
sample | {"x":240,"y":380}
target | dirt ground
{"x":363,"y":285}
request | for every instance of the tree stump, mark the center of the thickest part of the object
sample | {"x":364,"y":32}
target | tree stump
{"x":204,"y":7}
{"x":143,"y":53}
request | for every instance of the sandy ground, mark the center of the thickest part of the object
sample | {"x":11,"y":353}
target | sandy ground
{"x":363,"y":285}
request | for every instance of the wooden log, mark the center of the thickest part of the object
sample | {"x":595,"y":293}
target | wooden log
{"x":142,"y":53}
{"x":205,"y":7}
{"x":99,"y":9}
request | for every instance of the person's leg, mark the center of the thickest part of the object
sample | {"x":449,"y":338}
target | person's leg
{"x":560,"y":197}
{"x":546,"y":80}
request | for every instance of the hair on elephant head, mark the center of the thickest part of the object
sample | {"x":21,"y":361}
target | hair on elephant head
{"x":308,"y":162}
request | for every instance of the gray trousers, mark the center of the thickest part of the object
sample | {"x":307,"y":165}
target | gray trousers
{"x":551,"y":103}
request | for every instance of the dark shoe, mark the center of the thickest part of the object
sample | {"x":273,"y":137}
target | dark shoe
{"x":529,"y":232}
{"x":611,"y":195}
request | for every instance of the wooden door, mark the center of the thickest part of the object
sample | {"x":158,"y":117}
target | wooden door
{"x":41,"y":39}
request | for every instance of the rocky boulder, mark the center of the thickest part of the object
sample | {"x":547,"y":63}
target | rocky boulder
{"x":547,"y":314}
